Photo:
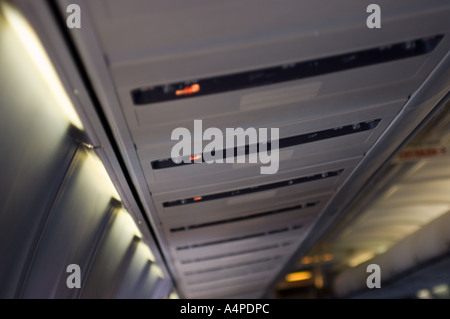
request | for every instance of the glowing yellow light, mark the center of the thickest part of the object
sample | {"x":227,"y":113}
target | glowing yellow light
{"x":424,"y":294}
{"x":316,"y":259}
{"x":360,"y":258}
{"x":148,"y":252}
{"x":103,"y":175}
{"x":441,"y":290}
{"x":298,"y":276}
{"x":173,"y":295}
{"x":37,"y":53}
{"x":132,"y":225}
{"x":157,"y":271}
{"x":318,"y":280}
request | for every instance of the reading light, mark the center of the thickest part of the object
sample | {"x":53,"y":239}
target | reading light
{"x":298,"y":276}
{"x":40,"y":58}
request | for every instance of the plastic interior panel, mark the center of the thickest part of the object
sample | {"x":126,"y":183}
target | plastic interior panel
{"x":71,"y":233}
{"x":297,"y":218}
{"x":239,"y":257}
{"x":307,"y":154}
{"x":36,"y":150}
{"x":115,"y":249}
{"x":138,"y":280}
{"x":220,"y":110}
{"x":326,"y":184}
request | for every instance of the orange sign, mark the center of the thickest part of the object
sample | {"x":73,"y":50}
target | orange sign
{"x":422,"y":152}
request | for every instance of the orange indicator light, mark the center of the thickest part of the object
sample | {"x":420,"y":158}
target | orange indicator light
{"x":196,"y":157}
{"x":188,"y":90}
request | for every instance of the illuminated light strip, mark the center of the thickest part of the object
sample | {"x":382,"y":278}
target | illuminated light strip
{"x":157,"y":271}
{"x":40,"y":58}
{"x":131,"y":224}
{"x":361,"y":258}
{"x":254,"y":189}
{"x":38,"y":55}
{"x":103,"y":175}
{"x":287,"y":72}
{"x":147,"y":251}
{"x":298,"y":276}
{"x":283,"y":143}
{"x":316,"y":258}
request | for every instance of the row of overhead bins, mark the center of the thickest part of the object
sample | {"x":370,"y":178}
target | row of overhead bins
{"x":314,"y":70}
{"x":65,"y":230}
